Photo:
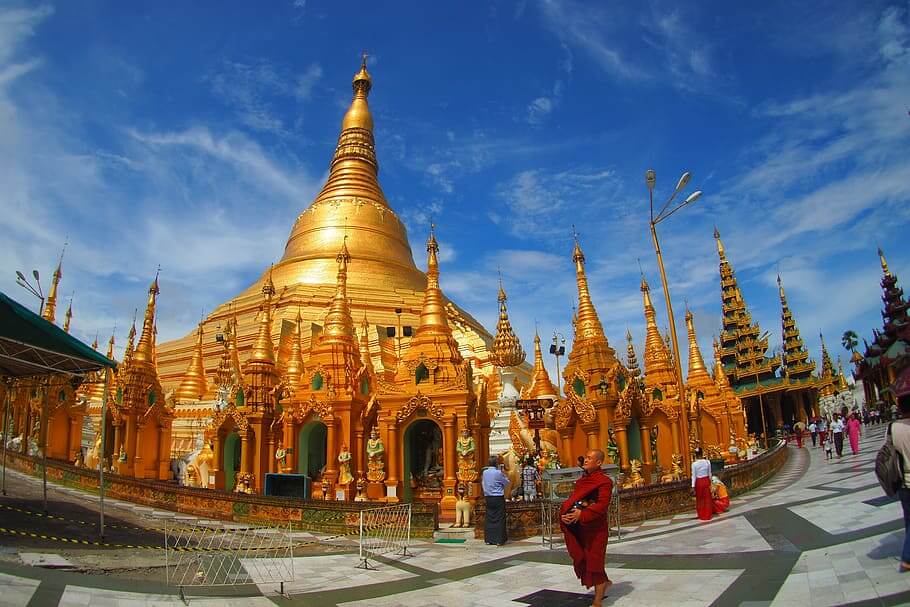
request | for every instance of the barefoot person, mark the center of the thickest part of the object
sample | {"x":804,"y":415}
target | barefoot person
{"x":584,"y":519}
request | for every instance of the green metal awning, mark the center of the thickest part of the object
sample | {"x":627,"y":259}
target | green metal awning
{"x":30,"y":345}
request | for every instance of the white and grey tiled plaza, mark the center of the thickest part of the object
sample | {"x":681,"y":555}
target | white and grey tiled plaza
{"x":819,"y":533}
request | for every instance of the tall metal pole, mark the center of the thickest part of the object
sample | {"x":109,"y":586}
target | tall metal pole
{"x":44,"y":441}
{"x":678,"y":364}
{"x":5,"y":428}
{"x":107,"y":384}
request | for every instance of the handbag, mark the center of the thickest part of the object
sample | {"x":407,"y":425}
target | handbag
{"x":889,"y":466}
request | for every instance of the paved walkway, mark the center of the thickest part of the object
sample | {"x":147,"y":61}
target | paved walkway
{"x":819,"y":533}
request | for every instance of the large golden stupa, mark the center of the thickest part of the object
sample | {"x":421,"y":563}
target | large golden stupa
{"x":384,"y":285}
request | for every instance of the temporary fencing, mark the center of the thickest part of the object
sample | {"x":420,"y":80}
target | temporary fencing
{"x":228,"y":555}
{"x":384,"y":530}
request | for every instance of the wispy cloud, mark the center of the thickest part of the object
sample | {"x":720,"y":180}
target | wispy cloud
{"x":250,"y":88}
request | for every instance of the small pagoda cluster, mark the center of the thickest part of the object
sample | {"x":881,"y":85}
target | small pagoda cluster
{"x":884,"y":367}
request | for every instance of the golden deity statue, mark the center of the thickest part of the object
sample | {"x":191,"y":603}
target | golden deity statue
{"x":467,"y":460}
{"x":344,"y":466}
{"x":375,"y":453}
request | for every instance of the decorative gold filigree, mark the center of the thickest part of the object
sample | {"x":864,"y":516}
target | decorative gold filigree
{"x":419,"y":401}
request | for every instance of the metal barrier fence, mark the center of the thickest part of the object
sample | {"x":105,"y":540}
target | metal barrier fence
{"x":384,"y":530}
{"x":227,"y":555}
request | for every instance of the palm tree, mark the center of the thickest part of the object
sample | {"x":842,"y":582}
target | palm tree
{"x":850,"y":340}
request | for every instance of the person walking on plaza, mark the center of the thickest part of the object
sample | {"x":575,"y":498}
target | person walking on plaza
{"x":494,"y":486}
{"x":829,"y":447}
{"x":854,"y":430}
{"x":798,"y":428}
{"x":822,"y":430}
{"x":813,"y":430}
{"x":701,"y":485}
{"x":837,"y":430}
{"x":899,"y":435}
{"x":584,"y":520}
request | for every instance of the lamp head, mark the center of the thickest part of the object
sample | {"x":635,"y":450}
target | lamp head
{"x":650,"y":178}
{"x":683,"y":181}
{"x":35,"y":274}
{"x":553,"y":347}
{"x":20,"y":276}
{"x":693,"y":196}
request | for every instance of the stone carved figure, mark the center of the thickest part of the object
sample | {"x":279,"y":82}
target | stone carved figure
{"x":361,"y":490}
{"x":467,"y":462}
{"x":344,"y":467}
{"x":376,"y":457}
{"x":635,"y":479}
{"x":676,"y":472}
{"x":462,"y":507}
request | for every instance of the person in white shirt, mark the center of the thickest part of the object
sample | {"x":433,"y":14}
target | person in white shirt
{"x":837,"y":430}
{"x":701,"y":485}
{"x":813,"y":430}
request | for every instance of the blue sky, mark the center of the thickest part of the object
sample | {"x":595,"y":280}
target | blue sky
{"x":192,"y":135}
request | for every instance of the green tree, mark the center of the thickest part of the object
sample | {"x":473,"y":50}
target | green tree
{"x":849,"y":340}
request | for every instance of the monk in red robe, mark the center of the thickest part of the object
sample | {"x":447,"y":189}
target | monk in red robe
{"x":584,"y":520}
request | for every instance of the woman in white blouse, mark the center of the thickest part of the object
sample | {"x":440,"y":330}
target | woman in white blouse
{"x":701,"y":484}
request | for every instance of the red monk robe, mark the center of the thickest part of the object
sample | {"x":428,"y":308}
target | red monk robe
{"x":586,"y":540}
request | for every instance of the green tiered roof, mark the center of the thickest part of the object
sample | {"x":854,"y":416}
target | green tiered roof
{"x":797,"y":365}
{"x":742,"y":349}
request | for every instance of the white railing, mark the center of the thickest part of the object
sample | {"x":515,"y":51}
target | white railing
{"x":384,"y":530}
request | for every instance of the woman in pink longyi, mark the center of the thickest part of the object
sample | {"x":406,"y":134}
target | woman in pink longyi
{"x":853,"y":432}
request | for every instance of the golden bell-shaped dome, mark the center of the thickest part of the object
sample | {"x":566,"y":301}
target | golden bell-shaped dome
{"x":351,"y":203}
{"x":507,"y":350}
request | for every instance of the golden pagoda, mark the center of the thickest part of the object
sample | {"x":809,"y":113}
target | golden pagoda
{"x":383,"y":284}
{"x":631,"y":357}
{"x":507,"y":350}
{"x":140,"y":417}
{"x":718,"y":411}
{"x":541,"y":386}
{"x":598,"y":394}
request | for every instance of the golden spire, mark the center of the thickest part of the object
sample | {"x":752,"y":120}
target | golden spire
{"x":365,"y":344}
{"x":69,"y":316}
{"x":263,"y":349}
{"x":193,"y":385}
{"x":144,"y":349}
{"x":657,"y":355}
{"x":130,"y":342}
{"x":295,"y":360}
{"x":110,"y":347}
{"x":588,"y":324}
{"x":827,"y":365}
{"x":541,"y":386}
{"x":507,"y":350}
{"x":631,"y":358}
{"x":377,"y":238}
{"x":697,"y":367}
{"x":50,"y":306}
{"x":95,"y":342}
{"x":881,"y":258}
{"x":433,"y":313}
{"x":338,"y":322}
{"x":720,"y":245}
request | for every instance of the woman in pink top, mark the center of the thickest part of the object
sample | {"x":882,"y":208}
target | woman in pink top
{"x":853,"y":431}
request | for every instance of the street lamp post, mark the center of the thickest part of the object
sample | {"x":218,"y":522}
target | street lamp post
{"x":662,"y":214}
{"x":557,"y":349}
{"x":35,"y":289}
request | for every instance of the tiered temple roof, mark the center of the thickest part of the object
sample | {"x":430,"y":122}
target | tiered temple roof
{"x":743,"y":346}
{"x":797,"y":365}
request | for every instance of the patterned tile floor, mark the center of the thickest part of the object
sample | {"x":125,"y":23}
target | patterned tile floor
{"x":819,"y":533}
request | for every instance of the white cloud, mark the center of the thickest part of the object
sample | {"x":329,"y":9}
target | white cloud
{"x":307,"y":80}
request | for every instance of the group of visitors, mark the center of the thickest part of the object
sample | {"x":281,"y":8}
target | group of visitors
{"x":711,"y":495}
{"x":828,"y":432}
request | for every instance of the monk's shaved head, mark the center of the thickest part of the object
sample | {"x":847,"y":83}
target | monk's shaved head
{"x":597,"y":455}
